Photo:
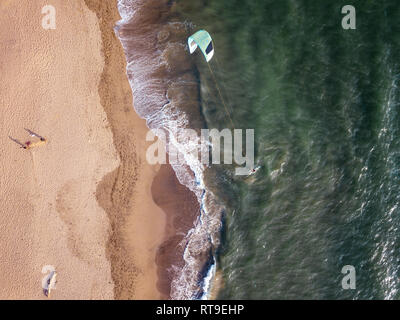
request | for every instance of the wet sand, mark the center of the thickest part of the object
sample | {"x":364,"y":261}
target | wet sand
{"x":182,"y":209}
{"x":146,"y":204}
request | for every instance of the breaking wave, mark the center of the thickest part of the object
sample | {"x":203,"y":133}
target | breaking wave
{"x":166,"y":94}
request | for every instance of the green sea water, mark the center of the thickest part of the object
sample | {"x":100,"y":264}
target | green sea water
{"x":324,"y":103}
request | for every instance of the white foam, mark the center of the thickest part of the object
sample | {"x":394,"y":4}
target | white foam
{"x":151,"y":77}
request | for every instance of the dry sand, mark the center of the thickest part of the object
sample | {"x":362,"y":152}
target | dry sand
{"x":82,"y":203}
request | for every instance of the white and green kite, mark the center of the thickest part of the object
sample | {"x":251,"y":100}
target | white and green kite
{"x":202,"y":39}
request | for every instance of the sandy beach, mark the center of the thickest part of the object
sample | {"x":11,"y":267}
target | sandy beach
{"x":81,"y":203}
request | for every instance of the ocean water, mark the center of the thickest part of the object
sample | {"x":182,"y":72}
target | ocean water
{"x":324,"y":103}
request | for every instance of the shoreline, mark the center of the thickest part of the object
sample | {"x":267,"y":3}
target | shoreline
{"x":152,"y":216}
{"x":166,"y":88}
{"x":137,"y":224}
{"x":87,"y":202}
{"x":181,"y":213}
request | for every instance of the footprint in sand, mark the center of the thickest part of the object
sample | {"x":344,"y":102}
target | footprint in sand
{"x":75,"y":210}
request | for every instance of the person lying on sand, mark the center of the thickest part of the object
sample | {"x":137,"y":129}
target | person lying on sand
{"x":30,"y":144}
